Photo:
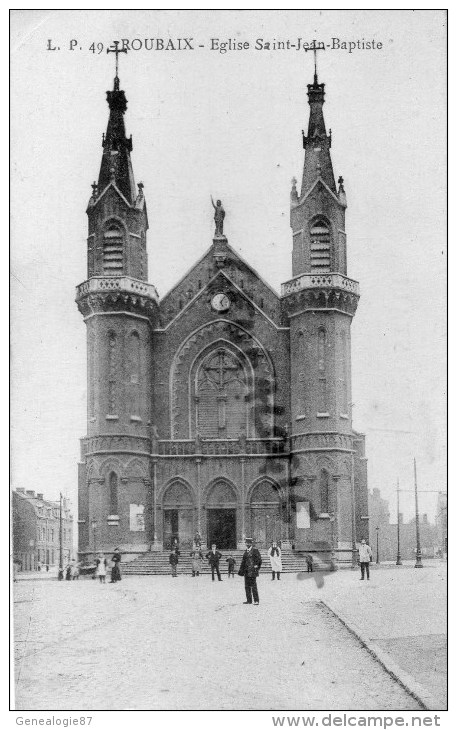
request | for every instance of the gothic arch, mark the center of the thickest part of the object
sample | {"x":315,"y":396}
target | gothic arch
{"x":180,"y":482}
{"x":111,"y":464}
{"x":92,"y":471}
{"x":327,"y":463}
{"x":227,"y":349}
{"x":203,"y":336}
{"x":136,"y":468}
{"x":214,"y":483}
{"x":260,"y":480}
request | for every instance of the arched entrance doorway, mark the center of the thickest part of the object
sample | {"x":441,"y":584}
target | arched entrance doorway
{"x":221,"y":507}
{"x":178,"y":515}
{"x":266,"y":522}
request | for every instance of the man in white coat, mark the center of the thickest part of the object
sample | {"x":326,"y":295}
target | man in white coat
{"x":365,"y":556}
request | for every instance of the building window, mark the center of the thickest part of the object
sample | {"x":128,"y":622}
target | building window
{"x":112,"y":373}
{"x":344,"y":375}
{"x":320,"y":247}
{"x":134,"y":372}
{"x":221,"y":389}
{"x":322,"y":370}
{"x":113,"y":494}
{"x":113,"y":251}
{"x":91,"y":373}
{"x":324,"y":491}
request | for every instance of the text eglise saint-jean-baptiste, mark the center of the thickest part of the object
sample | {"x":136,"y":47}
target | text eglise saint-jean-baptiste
{"x":221,"y":45}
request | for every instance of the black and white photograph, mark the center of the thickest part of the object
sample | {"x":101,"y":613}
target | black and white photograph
{"x":228,"y":365}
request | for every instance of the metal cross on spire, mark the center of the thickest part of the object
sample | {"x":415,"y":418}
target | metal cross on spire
{"x":314,"y":48}
{"x":117,"y":51}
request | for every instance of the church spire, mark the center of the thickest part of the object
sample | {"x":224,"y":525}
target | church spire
{"x":317,"y":142}
{"x":116,"y":165}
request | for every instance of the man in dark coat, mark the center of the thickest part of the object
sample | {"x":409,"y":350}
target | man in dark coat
{"x":249,"y":569}
{"x":174,"y":562}
{"x":116,"y":569}
{"x":213,"y":558}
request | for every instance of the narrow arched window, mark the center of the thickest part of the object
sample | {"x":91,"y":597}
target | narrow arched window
{"x":113,"y":250}
{"x":112,"y":351}
{"x":344,"y":375}
{"x":135,"y":372}
{"x":324,"y":491}
{"x":91,"y":374}
{"x":320,"y":246}
{"x":113,"y":496}
{"x":322,"y":370}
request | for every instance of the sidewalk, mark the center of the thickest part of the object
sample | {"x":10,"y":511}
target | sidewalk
{"x":401,"y":615}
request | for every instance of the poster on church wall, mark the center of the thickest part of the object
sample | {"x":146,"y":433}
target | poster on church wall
{"x":228,"y":297}
{"x":302,"y":515}
{"x":137,"y":518}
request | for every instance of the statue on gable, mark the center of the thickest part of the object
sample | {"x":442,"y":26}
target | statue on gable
{"x":219,"y":215}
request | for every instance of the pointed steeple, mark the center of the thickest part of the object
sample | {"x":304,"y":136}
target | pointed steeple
{"x":317,"y":142}
{"x":116,"y":164}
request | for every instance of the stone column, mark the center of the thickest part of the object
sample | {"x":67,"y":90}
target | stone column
{"x":240,"y":543}
{"x":156,"y":544}
{"x":199,"y":507}
{"x":286,"y":544}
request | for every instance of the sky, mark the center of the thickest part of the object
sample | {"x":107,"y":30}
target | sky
{"x":229,"y":125}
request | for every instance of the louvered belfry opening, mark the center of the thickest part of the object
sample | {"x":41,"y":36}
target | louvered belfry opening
{"x":113,"y":251}
{"x":320,"y":247}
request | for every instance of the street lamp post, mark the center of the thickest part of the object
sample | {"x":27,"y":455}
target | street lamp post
{"x":354,"y":537}
{"x":377,"y":546}
{"x":398,"y":525}
{"x":418,"y":563}
{"x":60,"y":535}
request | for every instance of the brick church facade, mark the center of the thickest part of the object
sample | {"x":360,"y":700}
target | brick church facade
{"x":222,"y":408}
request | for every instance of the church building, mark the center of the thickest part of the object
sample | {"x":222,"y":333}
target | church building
{"x":223,"y":408}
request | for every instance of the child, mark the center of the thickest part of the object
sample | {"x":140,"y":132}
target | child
{"x":101,"y":568}
{"x":309,"y":563}
{"x":231,"y":566}
{"x":197,"y":557}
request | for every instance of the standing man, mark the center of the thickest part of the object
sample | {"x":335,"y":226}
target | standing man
{"x":116,"y":569}
{"x":365,"y":556}
{"x":249,"y":569}
{"x":213,"y":558}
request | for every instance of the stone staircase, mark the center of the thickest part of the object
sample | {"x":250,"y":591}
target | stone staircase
{"x":157,"y":563}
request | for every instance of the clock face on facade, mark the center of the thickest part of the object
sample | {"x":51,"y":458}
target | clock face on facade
{"x":220,"y":302}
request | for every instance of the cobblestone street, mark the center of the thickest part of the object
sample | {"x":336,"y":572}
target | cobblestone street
{"x":159,"y":643}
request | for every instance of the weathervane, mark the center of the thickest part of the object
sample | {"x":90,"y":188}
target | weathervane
{"x":117,"y":51}
{"x":314,"y":48}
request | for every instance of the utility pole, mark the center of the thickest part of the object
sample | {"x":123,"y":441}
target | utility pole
{"x":354,"y":547}
{"x":60,"y":535}
{"x":418,"y":563}
{"x":377,"y":546}
{"x":398,"y":525}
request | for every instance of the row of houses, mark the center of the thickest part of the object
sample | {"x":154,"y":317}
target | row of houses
{"x":383,"y":535}
{"x":36,"y":530}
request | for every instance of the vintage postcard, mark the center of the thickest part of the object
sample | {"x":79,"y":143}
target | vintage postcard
{"x":228,"y":363}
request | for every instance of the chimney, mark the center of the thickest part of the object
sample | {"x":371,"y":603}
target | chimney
{"x":30,"y":493}
{"x":20,"y":490}
{"x":39,"y":496}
